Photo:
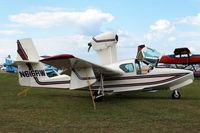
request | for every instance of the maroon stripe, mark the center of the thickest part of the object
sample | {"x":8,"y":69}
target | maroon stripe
{"x":57,"y":57}
{"x":46,"y":83}
{"x":143,"y":76}
{"x":52,"y":82}
{"x":105,"y":40}
{"x":141,"y":84}
{"x":21,"y":51}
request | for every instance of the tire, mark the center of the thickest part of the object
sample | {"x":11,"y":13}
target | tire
{"x":99,"y":99}
{"x":176,"y":95}
{"x":96,"y":98}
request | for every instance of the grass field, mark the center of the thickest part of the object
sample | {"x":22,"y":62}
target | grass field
{"x":50,"y":110}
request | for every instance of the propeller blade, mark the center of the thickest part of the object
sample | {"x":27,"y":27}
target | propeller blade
{"x":90,"y":45}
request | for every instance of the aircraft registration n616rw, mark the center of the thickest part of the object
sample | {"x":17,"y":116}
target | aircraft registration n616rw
{"x":110,"y":76}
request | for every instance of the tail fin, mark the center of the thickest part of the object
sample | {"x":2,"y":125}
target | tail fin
{"x":31,"y":71}
{"x":26,"y":50}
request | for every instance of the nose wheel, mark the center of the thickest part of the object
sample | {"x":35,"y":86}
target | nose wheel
{"x":176,"y":95}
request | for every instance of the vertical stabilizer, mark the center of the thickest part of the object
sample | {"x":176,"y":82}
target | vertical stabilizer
{"x":31,"y":71}
{"x":26,"y":50}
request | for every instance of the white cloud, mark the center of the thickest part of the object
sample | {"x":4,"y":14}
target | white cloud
{"x":188,"y":34}
{"x":159,"y":29}
{"x":78,"y":45}
{"x":88,"y":20}
{"x":192,"y":20}
{"x":193,"y":46}
{"x":192,"y":49}
{"x":10,"y":32}
{"x":127,"y":40}
{"x":162,"y":25}
{"x":61,"y":44}
{"x":172,"y":39}
{"x":71,"y":44}
{"x":7,"y":47}
{"x":152,"y":36}
{"x":168,"y":42}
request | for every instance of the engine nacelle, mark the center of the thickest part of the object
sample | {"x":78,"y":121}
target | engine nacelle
{"x":105,"y":46}
{"x":103,"y":41}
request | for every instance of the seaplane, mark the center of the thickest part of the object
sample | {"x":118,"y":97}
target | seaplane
{"x":109,"y":76}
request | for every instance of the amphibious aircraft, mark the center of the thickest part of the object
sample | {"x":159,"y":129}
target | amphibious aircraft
{"x":110,"y":76}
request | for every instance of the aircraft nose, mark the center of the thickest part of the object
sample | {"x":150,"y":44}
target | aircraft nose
{"x":184,"y":71}
{"x":172,"y":71}
{"x":189,"y":73}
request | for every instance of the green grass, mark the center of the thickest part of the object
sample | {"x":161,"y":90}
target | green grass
{"x":50,"y":110}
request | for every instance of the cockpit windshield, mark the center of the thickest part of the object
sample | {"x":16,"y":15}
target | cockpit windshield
{"x":151,"y":53}
{"x":148,"y":55}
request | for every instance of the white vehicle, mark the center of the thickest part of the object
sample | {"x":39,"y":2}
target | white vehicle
{"x":110,"y":76}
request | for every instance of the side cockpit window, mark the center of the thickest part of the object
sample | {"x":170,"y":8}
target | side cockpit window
{"x":127,"y":68}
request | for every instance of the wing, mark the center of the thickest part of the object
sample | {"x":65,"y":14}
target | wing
{"x":67,"y":63}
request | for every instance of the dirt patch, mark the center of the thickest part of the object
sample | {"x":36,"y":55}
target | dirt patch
{"x":1,"y":71}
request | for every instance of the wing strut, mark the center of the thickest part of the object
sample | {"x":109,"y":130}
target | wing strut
{"x":90,"y":89}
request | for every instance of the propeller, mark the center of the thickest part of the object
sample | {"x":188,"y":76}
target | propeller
{"x":89,"y":46}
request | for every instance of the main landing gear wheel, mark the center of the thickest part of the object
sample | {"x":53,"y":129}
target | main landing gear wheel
{"x":176,"y":95}
{"x":97,"y":97}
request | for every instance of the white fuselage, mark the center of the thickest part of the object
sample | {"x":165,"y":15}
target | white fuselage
{"x":128,"y":75}
{"x":133,"y":77}
{"x":156,"y":79}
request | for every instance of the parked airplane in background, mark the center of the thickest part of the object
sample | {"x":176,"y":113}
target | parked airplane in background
{"x":110,"y":76}
{"x":183,"y":59}
{"x":7,"y":66}
{"x":1,"y":66}
{"x":10,"y":68}
{"x":50,"y":70}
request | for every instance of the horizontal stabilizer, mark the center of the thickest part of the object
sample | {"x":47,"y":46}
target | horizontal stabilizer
{"x":24,"y":62}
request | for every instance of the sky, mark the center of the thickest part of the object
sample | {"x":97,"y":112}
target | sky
{"x":66,"y":27}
